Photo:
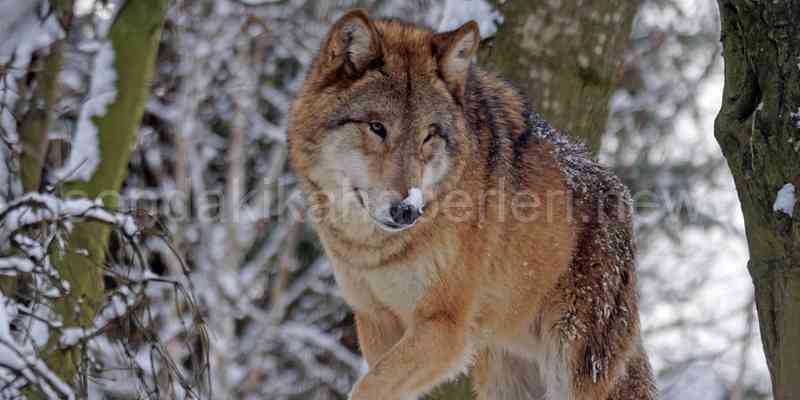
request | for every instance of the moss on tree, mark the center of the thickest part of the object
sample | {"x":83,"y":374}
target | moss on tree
{"x":135,"y":38}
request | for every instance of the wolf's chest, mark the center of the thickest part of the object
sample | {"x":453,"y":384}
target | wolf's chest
{"x":401,"y":286}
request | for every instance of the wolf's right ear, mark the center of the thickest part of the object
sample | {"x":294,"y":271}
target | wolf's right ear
{"x":454,"y":51}
{"x":352,"y":44}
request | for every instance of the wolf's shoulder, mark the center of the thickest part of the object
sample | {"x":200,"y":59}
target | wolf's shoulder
{"x":581,"y":168}
{"x":582,"y":173}
{"x":518,"y":132}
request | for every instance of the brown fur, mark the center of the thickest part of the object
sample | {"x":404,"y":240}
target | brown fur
{"x":539,"y":301}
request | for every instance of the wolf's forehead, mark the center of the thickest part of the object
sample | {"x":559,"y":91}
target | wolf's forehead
{"x":406,"y":47}
{"x":406,"y":85}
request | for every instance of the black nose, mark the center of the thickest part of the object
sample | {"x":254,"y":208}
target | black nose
{"x":403,"y":214}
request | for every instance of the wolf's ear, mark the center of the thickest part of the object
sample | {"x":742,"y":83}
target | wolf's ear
{"x":352,"y":44}
{"x":454,"y":51}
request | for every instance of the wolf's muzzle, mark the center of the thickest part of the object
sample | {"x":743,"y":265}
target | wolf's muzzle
{"x":403,"y":213}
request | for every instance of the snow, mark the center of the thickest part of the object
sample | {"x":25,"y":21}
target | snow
{"x":22,"y":32}
{"x":105,"y":13}
{"x":20,"y":360}
{"x":117,"y":306}
{"x":85,"y":153}
{"x":39,"y":326}
{"x":258,"y":2}
{"x":415,"y":199}
{"x":459,"y":12}
{"x":5,"y":331}
{"x":71,"y":336}
{"x":9,"y":266}
{"x":83,"y":7}
{"x":32,"y":248}
{"x":127,"y":223}
{"x":796,"y":117}
{"x":697,"y":382}
{"x":34,"y":208}
{"x":598,"y":368}
{"x":785,"y":200}
{"x":9,"y":354}
{"x":6,"y":175}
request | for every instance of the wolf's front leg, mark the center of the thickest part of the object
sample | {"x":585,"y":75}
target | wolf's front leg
{"x":428,"y":354}
{"x":377,"y":333}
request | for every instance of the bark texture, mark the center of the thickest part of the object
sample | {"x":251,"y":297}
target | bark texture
{"x":36,"y":122}
{"x":758,"y":129}
{"x":567,"y":55}
{"x":135,"y":37}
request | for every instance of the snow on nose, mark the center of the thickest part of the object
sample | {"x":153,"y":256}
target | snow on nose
{"x":415,"y":199}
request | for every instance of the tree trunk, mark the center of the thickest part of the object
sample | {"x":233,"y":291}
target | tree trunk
{"x":565,"y":54}
{"x":135,"y":38}
{"x":758,"y":129}
{"x":36,"y":122}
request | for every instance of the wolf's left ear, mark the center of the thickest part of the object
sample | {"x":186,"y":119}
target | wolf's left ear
{"x":352,"y":44}
{"x":454,"y":51}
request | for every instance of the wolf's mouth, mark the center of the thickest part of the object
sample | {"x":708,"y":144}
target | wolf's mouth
{"x":388,"y":226}
{"x":391,"y":226}
{"x":359,"y":197}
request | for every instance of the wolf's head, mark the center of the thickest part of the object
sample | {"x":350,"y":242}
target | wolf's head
{"x":379,"y":125}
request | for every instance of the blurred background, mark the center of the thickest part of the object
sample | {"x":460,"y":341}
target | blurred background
{"x":218,"y":211}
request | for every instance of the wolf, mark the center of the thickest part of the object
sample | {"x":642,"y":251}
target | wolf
{"x":465,"y":232}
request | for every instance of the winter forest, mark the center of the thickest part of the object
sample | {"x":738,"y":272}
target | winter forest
{"x":154,"y":242}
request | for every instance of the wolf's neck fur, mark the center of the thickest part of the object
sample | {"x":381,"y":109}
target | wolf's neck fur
{"x":515,"y":140}
{"x":516,"y":143}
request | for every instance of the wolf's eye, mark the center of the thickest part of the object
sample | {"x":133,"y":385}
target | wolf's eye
{"x":378,"y":129}
{"x":433,"y":131}
{"x":430,"y":147}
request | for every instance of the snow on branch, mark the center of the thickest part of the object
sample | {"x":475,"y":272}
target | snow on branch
{"x":19,"y":363}
{"x":84,"y":155}
{"x":37,"y":208}
{"x":25,"y":28}
{"x":34,"y":226}
{"x":785,"y":200}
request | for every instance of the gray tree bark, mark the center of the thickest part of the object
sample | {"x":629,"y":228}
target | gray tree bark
{"x":758,"y":129}
{"x":567,"y":55}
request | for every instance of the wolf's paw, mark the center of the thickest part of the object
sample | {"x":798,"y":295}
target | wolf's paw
{"x":367,"y":389}
{"x":358,"y":391}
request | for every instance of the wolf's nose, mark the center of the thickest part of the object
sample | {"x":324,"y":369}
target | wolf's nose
{"x":403,"y":214}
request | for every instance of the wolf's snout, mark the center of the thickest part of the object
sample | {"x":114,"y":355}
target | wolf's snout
{"x":403,"y":213}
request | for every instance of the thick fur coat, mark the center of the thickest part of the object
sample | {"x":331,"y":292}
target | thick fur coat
{"x":519,"y":267}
